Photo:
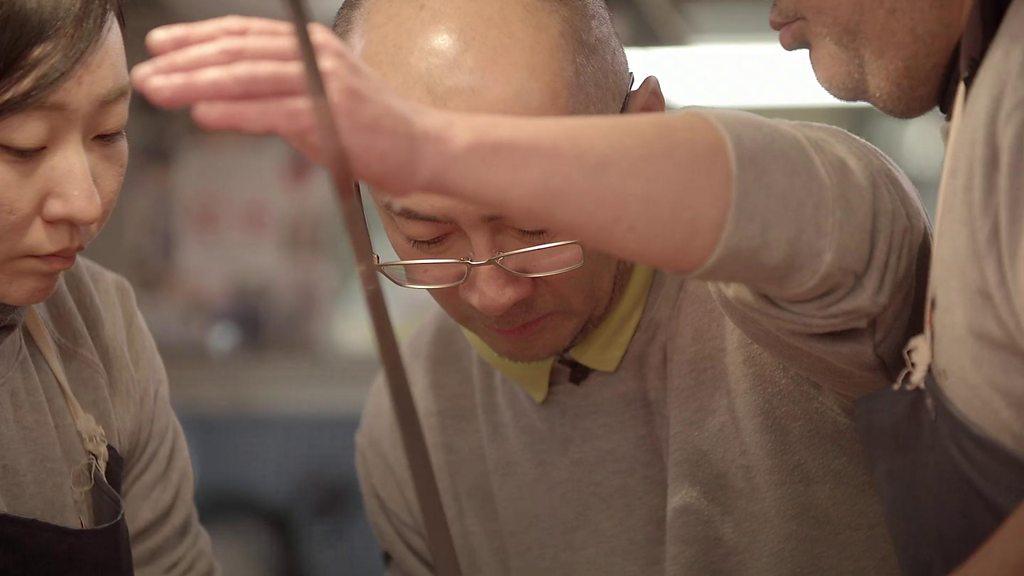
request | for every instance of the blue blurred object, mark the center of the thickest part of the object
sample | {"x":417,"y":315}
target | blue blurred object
{"x":279,"y":494}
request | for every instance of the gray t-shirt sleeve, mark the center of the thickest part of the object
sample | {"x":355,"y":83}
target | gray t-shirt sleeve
{"x":158,"y":490}
{"x":823,"y":258}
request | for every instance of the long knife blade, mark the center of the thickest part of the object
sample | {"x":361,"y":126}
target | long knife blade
{"x":439,"y":538}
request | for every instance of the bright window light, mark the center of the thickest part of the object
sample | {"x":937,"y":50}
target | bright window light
{"x":754,"y":75}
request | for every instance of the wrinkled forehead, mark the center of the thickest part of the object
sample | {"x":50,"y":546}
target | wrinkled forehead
{"x":485,"y":56}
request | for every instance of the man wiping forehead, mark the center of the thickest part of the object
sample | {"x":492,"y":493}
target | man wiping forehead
{"x":712,"y":434}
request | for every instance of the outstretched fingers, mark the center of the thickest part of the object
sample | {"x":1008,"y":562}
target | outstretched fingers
{"x":259,"y":63}
{"x":256,"y":79}
{"x":177,"y":36}
{"x":246,"y":75}
{"x":220,"y":51}
{"x":228,"y":48}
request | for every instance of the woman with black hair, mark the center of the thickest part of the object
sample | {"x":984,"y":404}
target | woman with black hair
{"x":95,"y":476}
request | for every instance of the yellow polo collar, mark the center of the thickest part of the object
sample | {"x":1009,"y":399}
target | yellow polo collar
{"x":603,"y":349}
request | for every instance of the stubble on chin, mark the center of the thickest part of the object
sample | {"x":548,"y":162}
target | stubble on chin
{"x":910,"y":87}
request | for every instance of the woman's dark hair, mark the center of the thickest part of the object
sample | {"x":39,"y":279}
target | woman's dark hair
{"x":43,"y":41}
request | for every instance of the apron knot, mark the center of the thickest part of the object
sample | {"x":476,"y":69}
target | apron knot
{"x":83,"y":478}
{"x":94,"y":440}
{"x":918,"y":359}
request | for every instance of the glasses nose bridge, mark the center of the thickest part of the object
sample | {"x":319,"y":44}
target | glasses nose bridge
{"x":480,"y":263}
{"x":492,"y":261}
{"x":492,"y":284}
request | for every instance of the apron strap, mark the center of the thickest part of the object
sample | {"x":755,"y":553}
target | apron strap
{"x":94,"y":439}
{"x":918,"y":353}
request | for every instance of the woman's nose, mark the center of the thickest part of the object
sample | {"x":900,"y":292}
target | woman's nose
{"x":72,"y":195}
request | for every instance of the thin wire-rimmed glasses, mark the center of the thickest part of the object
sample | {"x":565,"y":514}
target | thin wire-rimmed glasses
{"x":530,"y":262}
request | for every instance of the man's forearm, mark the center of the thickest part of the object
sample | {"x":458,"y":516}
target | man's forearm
{"x":651,"y":188}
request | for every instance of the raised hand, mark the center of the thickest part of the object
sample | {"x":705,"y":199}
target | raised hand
{"x":246,"y":75}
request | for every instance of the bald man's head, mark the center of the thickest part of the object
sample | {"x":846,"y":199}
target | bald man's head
{"x":511,"y":56}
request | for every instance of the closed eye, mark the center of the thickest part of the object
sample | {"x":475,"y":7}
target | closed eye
{"x":112,"y":137}
{"x":429,"y":243}
{"x":22,"y":153}
{"x":532,"y":233}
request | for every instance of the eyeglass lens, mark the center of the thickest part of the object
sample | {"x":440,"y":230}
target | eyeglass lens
{"x":546,"y":261}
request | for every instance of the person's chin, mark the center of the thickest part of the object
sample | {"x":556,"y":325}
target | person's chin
{"x":902,"y":98}
{"x":836,"y":76}
{"x":533,"y":351}
{"x":29,"y":291}
{"x":541,"y":345}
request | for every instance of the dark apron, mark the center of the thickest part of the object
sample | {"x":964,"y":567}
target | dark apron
{"x":945,"y":487}
{"x":29,"y":546}
{"x":33,"y":547}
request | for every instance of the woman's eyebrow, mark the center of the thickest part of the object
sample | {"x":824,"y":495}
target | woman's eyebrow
{"x":116,"y":95}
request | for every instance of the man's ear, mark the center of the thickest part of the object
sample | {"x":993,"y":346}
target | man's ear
{"x":646,"y":98}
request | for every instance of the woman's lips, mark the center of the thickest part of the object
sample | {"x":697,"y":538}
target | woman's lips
{"x":61,"y":260}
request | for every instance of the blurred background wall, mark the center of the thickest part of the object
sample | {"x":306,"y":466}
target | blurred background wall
{"x":237,"y":254}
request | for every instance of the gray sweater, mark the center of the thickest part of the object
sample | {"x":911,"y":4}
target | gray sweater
{"x":723,"y":443}
{"x":116,"y":374}
{"x":978,"y":270}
